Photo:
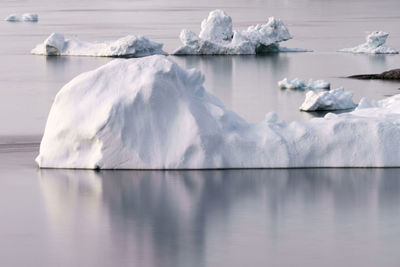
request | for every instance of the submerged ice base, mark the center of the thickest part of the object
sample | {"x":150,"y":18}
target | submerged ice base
{"x":129,"y":46}
{"x":150,"y":113}
{"x":303,"y":85}
{"x":218,"y":38}
{"x":375,"y":44}
{"x":337,"y":99}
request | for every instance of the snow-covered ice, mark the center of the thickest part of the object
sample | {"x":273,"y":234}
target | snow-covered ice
{"x":217,"y":37}
{"x":303,"y":85}
{"x":150,"y":113}
{"x":337,"y":99}
{"x":129,"y":46}
{"x":375,"y":45}
{"x":28,"y":17}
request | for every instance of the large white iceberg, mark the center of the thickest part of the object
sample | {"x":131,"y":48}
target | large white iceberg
{"x":375,"y":45}
{"x":337,"y":99}
{"x":303,"y":85}
{"x":129,"y":46}
{"x":150,"y":113}
{"x":217,"y":37}
{"x":27,"y":17}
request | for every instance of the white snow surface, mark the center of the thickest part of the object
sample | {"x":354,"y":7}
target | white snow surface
{"x":218,"y":38}
{"x":150,"y":113}
{"x":129,"y":46}
{"x":303,"y":85}
{"x":375,"y":44}
{"x":337,"y":99}
{"x":27,"y":17}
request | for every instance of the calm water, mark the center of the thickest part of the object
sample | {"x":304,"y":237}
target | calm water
{"x":298,"y":217}
{"x":303,"y":217}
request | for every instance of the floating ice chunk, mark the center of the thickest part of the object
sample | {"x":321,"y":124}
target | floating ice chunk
{"x":375,"y":45}
{"x":336,"y":99}
{"x":217,"y":37}
{"x":149,"y":113}
{"x":13,"y":18}
{"x":318,"y":84}
{"x":28,"y":17}
{"x":292,"y":84}
{"x":128,"y":46}
{"x":301,"y":84}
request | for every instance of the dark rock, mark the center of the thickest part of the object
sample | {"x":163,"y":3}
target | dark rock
{"x":387,"y":75}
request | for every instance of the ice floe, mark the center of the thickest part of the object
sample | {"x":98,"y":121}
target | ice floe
{"x":337,"y":99}
{"x":27,"y":17}
{"x":303,"y":85}
{"x":150,"y":113}
{"x":129,"y":46}
{"x":218,"y":38}
{"x":375,"y":45}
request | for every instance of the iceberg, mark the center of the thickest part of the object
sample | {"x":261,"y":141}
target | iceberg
{"x":150,"y":113}
{"x":129,"y":46}
{"x":375,"y":45}
{"x":303,"y":85}
{"x":336,"y":99}
{"x":217,"y":38}
{"x":13,"y":18}
{"x":28,"y":17}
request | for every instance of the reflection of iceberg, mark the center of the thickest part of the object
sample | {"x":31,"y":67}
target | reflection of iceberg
{"x":217,"y":37}
{"x":206,"y":218}
{"x":28,"y":17}
{"x":331,"y":100}
{"x":128,"y":46}
{"x":375,"y":45}
{"x":150,"y":113}
{"x":302,"y":85}
{"x":84,"y":193}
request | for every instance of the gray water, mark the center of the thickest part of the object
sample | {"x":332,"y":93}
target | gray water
{"x":299,"y":217}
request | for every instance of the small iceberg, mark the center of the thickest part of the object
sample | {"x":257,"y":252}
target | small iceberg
{"x":303,"y":85}
{"x":129,"y":46}
{"x":217,"y":38}
{"x":375,"y":45}
{"x":27,"y":17}
{"x":30,"y":17}
{"x":150,"y":113}
{"x":336,"y":99}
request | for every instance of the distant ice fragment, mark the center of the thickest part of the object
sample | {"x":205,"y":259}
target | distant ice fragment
{"x":375,"y":45}
{"x":13,"y":18}
{"x":303,"y":85}
{"x":218,"y":38}
{"x":129,"y":46}
{"x":30,"y":17}
{"x":336,"y":99}
{"x":150,"y":113}
{"x":27,"y":17}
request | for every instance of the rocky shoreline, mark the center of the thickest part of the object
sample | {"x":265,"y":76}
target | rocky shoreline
{"x":387,"y":75}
